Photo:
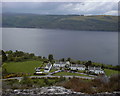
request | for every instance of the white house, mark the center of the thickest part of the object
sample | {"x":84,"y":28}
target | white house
{"x":61,"y":64}
{"x":67,"y":62}
{"x":96,"y":70}
{"x":77,"y":67}
{"x":48,"y":68}
{"x":38,"y":70}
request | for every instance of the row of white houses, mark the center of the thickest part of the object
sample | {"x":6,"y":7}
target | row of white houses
{"x":61,"y":64}
{"x":58,"y":65}
{"x":77,"y":67}
{"x":96,"y":70}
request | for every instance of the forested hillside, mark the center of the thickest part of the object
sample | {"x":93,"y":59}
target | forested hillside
{"x":70,"y":22}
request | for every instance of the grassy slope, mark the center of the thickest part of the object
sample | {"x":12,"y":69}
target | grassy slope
{"x":99,"y":17}
{"x":26,"y":67}
{"x":110,"y":72}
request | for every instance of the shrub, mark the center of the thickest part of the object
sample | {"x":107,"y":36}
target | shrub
{"x":27,"y":81}
{"x":78,"y":85}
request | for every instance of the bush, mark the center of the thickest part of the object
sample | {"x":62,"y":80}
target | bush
{"x":61,"y":79}
{"x":78,"y":85}
{"x":26,"y":81}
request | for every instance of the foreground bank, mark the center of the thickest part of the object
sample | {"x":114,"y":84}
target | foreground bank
{"x":52,"y":91}
{"x":89,"y":86}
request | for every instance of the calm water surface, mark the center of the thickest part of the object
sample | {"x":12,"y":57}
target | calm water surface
{"x":83,"y":45}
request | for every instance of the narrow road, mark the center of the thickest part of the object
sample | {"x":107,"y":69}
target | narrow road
{"x":19,"y":78}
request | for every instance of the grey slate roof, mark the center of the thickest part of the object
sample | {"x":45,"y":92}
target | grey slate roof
{"x":94,"y":68}
{"x":48,"y":65}
{"x":60,"y":62}
{"x":97,"y":68}
{"x":77,"y":65}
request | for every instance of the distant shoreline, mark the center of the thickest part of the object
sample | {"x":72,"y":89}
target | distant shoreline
{"x":58,"y":29}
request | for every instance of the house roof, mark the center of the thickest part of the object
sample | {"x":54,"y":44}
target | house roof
{"x":60,"y":63}
{"x":48,"y":65}
{"x":97,"y":68}
{"x":67,"y":62}
{"x":77,"y":65}
{"x":37,"y":69}
{"x":80,"y":65}
{"x":94,"y":68}
{"x":90,"y":68}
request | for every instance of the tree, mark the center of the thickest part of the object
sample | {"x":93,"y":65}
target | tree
{"x":79,"y":62}
{"x":63,"y":59}
{"x":89,"y":63}
{"x":50,"y":57}
{"x":46,"y":81}
{"x":9,"y":52}
{"x":69,"y":59}
{"x":31,"y":55}
{"x":27,"y":81}
{"x":4,"y":57}
{"x":4,"y":71}
{"x":39,"y":57}
{"x":61,"y":78}
{"x":44,"y":57}
{"x":53,"y":61}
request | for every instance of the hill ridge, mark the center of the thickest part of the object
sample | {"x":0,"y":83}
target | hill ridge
{"x":70,"y":22}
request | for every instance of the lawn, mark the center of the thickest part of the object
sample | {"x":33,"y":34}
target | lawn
{"x":69,"y":74}
{"x":25,"y":67}
{"x":110,"y":72}
{"x":53,"y":70}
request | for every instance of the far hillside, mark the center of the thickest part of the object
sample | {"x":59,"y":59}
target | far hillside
{"x":69,"y":22}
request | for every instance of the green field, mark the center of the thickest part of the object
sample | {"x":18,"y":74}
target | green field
{"x":25,"y":67}
{"x":67,"y":73}
{"x":110,"y":72}
{"x":29,"y":67}
{"x":53,"y":70}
